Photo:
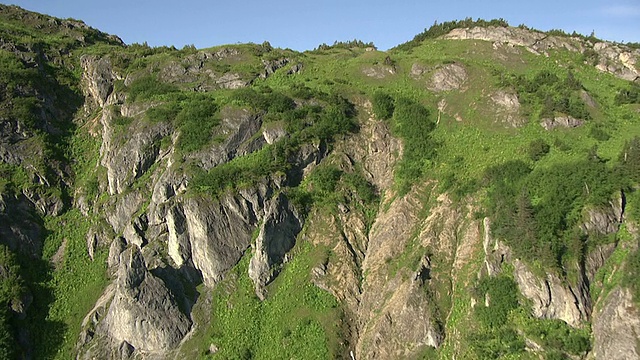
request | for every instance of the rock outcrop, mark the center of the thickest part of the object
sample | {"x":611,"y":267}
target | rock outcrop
{"x":448,"y":77}
{"x":616,"y":327}
{"x":143,"y":315}
{"x":562,"y":122}
{"x":552,"y":298}
{"x":618,"y":60}
{"x":278,"y":232}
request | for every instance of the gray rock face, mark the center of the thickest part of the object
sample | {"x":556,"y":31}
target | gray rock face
{"x":612,"y":58}
{"x":508,"y":108}
{"x":449,"y":77}
{"x":534,"y":41}
{"x":237,"y":128}
{"x":143,"y":312}
{"x":270,"y":67}
{"x":98,"y":77}
{"x":277,"y":236}
{"x":604,"y":220}
{"x":220,"y":230}
{"x":128,"y":161}
{"x":552,"y":299}
{"x":618,"y":60}
{"x":616,"y":327}
{"x":561,"y":121}
{"x":379,"y":71}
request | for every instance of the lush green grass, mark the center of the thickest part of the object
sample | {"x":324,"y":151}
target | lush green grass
{"x":65,"y":296}
{"x":297,"y":320}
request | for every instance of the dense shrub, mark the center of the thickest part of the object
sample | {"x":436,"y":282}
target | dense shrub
{"x":382,"y":105}
{"x":147,"y":87}
{"x":549,"y":94}
{"x":537,"y":149}
{"x":502,"y":295}
{"x":412,"y":122}
{"x":543,"y":231}
{"x":630,"y":95}
{"x":304,"y":124}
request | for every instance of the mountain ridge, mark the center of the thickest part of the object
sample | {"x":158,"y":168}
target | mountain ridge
{"x":473,"y":195}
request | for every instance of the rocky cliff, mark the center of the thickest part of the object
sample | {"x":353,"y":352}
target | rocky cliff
{"x":245,"y":201}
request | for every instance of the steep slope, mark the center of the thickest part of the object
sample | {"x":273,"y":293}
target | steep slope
{"x":469,"y":194}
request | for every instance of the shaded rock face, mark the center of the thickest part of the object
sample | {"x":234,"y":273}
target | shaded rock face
{"x":448,"y":77}
{"x":143,"y":311}
{"x":277,"y":236}
{"x":616,"y":327}
{"x":98,"y":77}
{"x":20,"y":229}
{"x":605,"y":220}
{"x":237,"y":128}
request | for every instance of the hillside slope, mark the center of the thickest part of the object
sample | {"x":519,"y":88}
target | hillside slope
{"x":470,"y":194}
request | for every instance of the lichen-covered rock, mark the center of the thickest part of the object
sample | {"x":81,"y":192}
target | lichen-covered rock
{"x":508,"y":108}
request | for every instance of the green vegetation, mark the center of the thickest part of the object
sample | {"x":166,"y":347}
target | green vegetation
{"x":12,"y":288}
{"x":412,"y":123}
{"x":537,"y":211}
{"x":305,"y":124}
{"x":148,"y":87}
{"x":546,"y":94}
{"x":296,"y":320}
{"x":382,"y":106}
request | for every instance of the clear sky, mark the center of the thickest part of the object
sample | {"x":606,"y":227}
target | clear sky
{"x":301,"y":25}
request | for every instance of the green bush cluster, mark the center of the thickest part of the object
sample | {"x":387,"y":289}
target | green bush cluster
{"x":548,"y":94}
{"x":537,"y":149}
{"x":536,"y":211}
{"x":382,"y":105}
{"x":629,"y":95}
{"x":495,"y":336}
{"x":196,"y":120}
{"x":557,"y":337}
{"x":309,"y":123}
{"x":412,"y":123}
{"x":355,"y":43}
{"x":147,"y":87}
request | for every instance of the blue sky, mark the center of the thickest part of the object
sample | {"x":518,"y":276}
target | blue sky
{"x":303,"y":25}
